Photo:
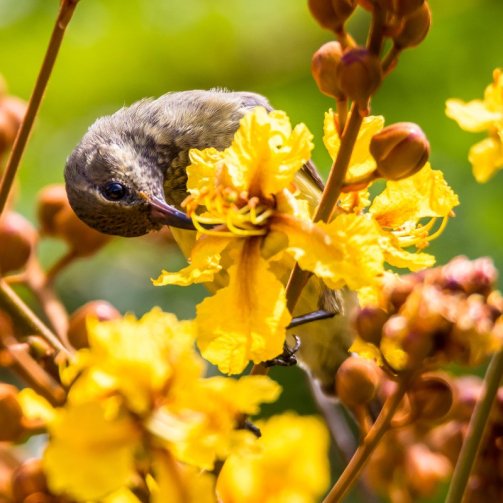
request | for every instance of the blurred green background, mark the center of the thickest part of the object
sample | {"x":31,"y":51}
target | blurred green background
{"x":117,"y":52}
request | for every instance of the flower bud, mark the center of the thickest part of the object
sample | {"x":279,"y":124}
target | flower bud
{"x":18,"y":238}
{"x":359,"y":74}
{"x":57,"y":219}
{"x":469,"y":276}
{"x":331,"y":14}
{"x":431,"y":398}
{"x":12,"y":112}
{"x":403,"y":7}
{"x":324,"y":68}
{"x":11,"y":415}
{"x":77,"y":327}
{"x":28,"y":479}
{"x":414,"y":29}
{"x":369,"y":324}
{"x":400,"y":150}
{"x":356,"y":381}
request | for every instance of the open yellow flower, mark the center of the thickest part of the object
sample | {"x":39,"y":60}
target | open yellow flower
{"x":485,"y":156}
{"x":250,"y":194}
{"x":289,"y":463}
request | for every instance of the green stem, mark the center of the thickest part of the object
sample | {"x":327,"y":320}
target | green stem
{"x":365,"y":449}
{"x":478,"y":422}
{"x":65,"y":13}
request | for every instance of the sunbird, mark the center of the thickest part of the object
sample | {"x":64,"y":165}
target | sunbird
{"x":127,"y":177}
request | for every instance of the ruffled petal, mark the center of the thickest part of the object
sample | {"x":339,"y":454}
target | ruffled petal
{"x":473,"y":116}
{"x":486,"y":158}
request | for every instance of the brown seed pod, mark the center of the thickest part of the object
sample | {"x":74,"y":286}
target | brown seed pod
{"x":400,"y":150}
{"x":77,"y":328}
{"x":12,"y":112}
{"x":369,"y":323}
{"x":18,"y":238}
{"x":331,"y":14}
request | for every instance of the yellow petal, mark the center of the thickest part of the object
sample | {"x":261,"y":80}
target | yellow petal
{"x":289,"y":464}
{"x":91,"y":451}
{"x":204,"y":263}
{"x":362,"y":163}
{"x":425,"y":194}
{"x":245,"y":320}
{"x":486,"y":158}
{"x":344,"y":252}
{"x":366,"y":350}
{"x":34,"y":406}
{"x":473,"y":116}
{"x":398,"y":257}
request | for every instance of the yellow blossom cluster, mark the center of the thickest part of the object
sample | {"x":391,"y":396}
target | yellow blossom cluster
{"x":139,"y":408}
{"x":476,"y":116}
{"x":252,"y":210}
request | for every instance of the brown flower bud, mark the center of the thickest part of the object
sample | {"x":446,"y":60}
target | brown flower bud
{"x":359,"y":74}
{"x":424,"y":469}
{"x":331,"y":14}
{"x":324,"y":69}
{"x":400,"y":150}
{"x":469,"y":392}
{"x":18,"y":238}
{"x":447,"y":438}
{"x":11,"y":415}
{"x":27,"y":479}
{"x":12,"y":112}
{"x":469,"y":276}
{"x":77,"y":328}
{"x":431,"y":398}
{"x":415,"y":28}
{"x":356,"y":381}
{"x":57,"y":219}
{"x":403,"y":7}
{"x":369,"y":324}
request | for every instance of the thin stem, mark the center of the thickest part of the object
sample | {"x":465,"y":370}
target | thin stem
{"x":33,"y":373}
{"x":390,"y":60}
{"x":14,"y":302}
{"x":65,"y":13}
{"x":362,"y":454}
{"x":375,"y":38}
{"x":478,"y":422}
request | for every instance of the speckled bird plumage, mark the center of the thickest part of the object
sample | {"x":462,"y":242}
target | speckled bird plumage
{"x":145,"y":147}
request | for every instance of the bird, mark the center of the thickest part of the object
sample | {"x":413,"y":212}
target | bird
{"x":127,"y":177}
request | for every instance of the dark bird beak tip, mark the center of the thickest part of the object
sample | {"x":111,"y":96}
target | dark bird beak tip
{"x":165,"y":214}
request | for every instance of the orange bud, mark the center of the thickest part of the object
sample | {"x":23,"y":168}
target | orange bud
{"x":369,"y":324}
{"x":431,"y":398}
{"x":6,"y":324}
{"x":403,"y":7}
{"x":18,"y":238}
{"x":11,"y":415}
{"x":356,"y":381}
{"x":77,"y":328}
{"x":27,"y":479}
{"x":12,"y":112}
{"x":359,"y":74}
{"x":400,"y":150}
{"x":415,"y":28}
{"x":57,"y":219}
{"x":324,"y":68}
{"x":331,"y":14}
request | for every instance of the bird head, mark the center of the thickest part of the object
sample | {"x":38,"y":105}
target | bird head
{"x":114,"y":185}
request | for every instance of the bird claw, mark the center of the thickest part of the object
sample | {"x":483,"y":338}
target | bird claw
{"x":287,"y":358}
{"x":248,"y":425}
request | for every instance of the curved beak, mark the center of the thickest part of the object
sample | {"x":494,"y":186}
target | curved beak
{"x":162,"y":213}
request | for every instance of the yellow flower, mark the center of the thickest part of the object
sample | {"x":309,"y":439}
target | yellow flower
{"x":137,"y":358}
{"x":288,"y":463}
{"x":200,"y":427}
{"x":252,"y":195}
{"x":400,"y":211}
{"x":486,"y":156}
{"x":92,"y":449}
{"x":361,"y":163}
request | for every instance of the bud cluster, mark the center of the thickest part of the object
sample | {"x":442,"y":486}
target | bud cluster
{"x":344,"y":70}
{"x":441,"y":315}
{"x":412,"y":461}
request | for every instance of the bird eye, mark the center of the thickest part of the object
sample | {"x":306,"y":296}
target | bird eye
{"x":114,"y":191}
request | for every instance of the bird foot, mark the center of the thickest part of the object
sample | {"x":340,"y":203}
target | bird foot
{"x":287,"y":358}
